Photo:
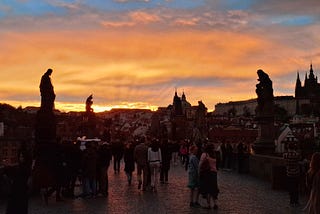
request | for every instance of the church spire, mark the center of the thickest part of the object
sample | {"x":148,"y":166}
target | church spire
{"x":298,"y":86}
{"x":305,"y":79}
{"x":311,"y":75}
{"x":298,"y":82}
{"x":177,"y":105}
{"x":183,"y":96}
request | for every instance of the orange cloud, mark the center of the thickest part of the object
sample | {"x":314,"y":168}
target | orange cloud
{"x":117,"y":24}
{"x":131,"y":67}
{"x":186,"y":22}
{"x":143,"y":17}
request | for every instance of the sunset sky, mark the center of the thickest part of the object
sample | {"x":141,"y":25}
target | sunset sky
{"x":134,"y":53}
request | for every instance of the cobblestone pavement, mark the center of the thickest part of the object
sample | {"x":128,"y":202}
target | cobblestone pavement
{"x":239,"y":194}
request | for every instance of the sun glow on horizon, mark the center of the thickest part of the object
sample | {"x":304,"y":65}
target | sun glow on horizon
{"x":79,"y":107}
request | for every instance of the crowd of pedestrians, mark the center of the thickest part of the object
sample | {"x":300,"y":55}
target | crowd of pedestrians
{"x":149,"y":159}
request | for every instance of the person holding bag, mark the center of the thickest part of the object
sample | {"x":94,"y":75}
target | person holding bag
{"x":208,"y":176}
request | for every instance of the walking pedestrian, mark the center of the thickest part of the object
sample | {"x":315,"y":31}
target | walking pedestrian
{"x":208,"y":176}
{"x":223,"y":151}
{"x":229,"y":157}
{"x":104,"y":157}
{"x":183,"y":152}
{"x":140,"y":157}
{"x":117,"y":151}
{"x":166,"y":159}
{"x":292,"y":158}
{"x":154,"y":160}
{"x":129,"y":161}
{"x":240,"y":157}
{"x":175,"y":152}
{"x":193,"y":176}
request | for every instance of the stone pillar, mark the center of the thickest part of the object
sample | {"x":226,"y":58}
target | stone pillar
{"x":265,"y":143}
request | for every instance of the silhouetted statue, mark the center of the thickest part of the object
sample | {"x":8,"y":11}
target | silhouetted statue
{"x":46,"y":147}
{"x":264,"y":92}
{"x":88,"y":126}
{"x":265,"y":115}
{"x":47,"y":92}
{"x":89,"y":103}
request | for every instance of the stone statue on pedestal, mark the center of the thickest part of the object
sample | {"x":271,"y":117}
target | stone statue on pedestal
{"x":46,"y":146}
{"x":265,"y":115}
{"x":89,"y":122}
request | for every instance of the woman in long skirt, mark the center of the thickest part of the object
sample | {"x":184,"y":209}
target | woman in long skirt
{"x":208,"y":176}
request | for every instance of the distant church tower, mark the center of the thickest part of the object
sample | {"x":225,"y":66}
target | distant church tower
{"x":309,"y":91}
{"x":177,"y":105}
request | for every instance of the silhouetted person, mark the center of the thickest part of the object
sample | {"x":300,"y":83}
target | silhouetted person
{"x":292,"y":158}
{"x":223,"y":150}
{"x":19,"y":175}
{"x":155,"y":161}
{"x":129,"y":161}
{"x":47,"y":92}
{"x":73,"y":159}
{"x":104,"y":157}
{"x":117,"y":152}
{"x":140,"y":156}
{"x":89,"y":168}
{"x":166,"y":159}
{"x":229,"y":156}
{"x":240,"y":148}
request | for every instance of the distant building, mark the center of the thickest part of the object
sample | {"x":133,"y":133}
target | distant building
{"x":247,"y":107}
{"x":308,"y":95}
{"x":180,"y":120}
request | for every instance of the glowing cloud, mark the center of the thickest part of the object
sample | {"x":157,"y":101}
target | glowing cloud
{"x":135,"y":57}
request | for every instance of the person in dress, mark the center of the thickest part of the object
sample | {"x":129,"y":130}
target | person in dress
{"x":208,"y":176}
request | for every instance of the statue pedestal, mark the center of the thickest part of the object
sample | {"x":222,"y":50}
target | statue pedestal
{"x":45,"y":130}
{"x":266,"y":135}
